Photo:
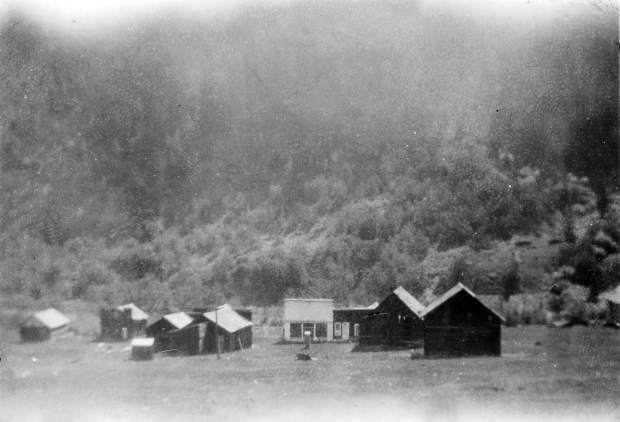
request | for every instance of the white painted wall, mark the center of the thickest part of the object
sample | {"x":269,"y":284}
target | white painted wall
{"x":310,"y":310}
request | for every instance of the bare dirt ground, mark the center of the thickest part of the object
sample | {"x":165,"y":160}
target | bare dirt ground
{"x":544,"y":374}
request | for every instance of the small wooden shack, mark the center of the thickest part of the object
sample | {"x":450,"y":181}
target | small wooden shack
{"x":122,"y":323}
{"x":138,"y":320}
{"x":232,"y":330}
{"x":114,"y":323}
{"x":142,"y":348}
{"x":613,"y":305}
{"x":347,"y":322}
{"x":396,"y":322}
{"x":163,"y":330}
{"x":44,"y":325}
{"x":460,"y":324}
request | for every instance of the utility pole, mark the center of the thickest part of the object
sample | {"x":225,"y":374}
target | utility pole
{"x":217,"y":334}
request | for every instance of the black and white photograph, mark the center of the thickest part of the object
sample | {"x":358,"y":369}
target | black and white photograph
{"x":309,"y":210}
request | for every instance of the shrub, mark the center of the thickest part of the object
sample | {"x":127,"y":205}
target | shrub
{"x":525,"y":309}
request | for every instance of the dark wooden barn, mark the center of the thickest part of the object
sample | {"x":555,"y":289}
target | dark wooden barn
{"x":395,"y":322}
{"x":122,"y":323}
{"x":44,"y":325}
{"x":347,"y":322}
{"x":232,"y":331}
{"x":459,"y":324}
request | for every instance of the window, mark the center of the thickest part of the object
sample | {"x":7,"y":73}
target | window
{"x":337,"y":329}
{"x":321,"y":330}
{"x":308,"y":327}
{"x":356,"y":330}
{"x":295,"y":330}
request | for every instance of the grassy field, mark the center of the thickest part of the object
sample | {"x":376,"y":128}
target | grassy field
{"x":544,"y":374}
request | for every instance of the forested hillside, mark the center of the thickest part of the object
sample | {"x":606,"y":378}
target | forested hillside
{"x":329,"y":149}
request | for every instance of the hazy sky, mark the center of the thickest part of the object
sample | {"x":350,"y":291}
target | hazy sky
{"x":81,"y":16}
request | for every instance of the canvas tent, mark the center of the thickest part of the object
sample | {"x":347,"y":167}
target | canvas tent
{"x":163,"y":330}
{"x":44,"y":325}
{"x":458,"y":323}
{"x":232,"y":330}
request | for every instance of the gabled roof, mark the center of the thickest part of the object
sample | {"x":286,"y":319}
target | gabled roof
{"x":137,"y":314}
{"x":459,"y":287}
{"x":411,"y":302}
{"x":228,"y":319}
{"x":179,"y":319}
{"x":611,"y":295}
{"x":372,"y":305}
{"x":50,"y":318}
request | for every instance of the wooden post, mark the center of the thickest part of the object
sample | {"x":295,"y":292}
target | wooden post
{"x":217,"y":334}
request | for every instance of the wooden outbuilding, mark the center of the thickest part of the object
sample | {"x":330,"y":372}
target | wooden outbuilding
{"x":163,"y":330}
{"x":233,"y":331}
{"x":142,"y":348}
{"x":122,"y":323}
{"x":347,"y":322}
{"x":396,"y":322}
{"x":44,"y":325}
{"x":114,"y":323}
{"x":459,"y":324}
{"x":138,"y":320}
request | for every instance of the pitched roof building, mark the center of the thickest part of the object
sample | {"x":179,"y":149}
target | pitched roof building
{"x":396,"y":322}
{"x":44,"y":325}
{"x":225,"y":325}
{"x":459,"y":323}
{"x":308,"y":315}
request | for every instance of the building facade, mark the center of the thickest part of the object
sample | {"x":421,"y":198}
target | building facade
{"x":395,"y":322}
{"x":165,"y":330}
{"x":122,"y":323}
{"x":315,"y":316}
{"x":229,"y":328}
{"x":44,"y":325}
{"x":347,"y":322}
{"x":459,"y":324}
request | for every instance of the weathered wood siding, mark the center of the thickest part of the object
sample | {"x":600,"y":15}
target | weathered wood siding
{"x":462,"y":326}
{"x":352,"y":316}
{"x":392,"y":323}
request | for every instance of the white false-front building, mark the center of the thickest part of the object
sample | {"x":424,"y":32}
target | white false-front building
{"x":308,"y":315}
